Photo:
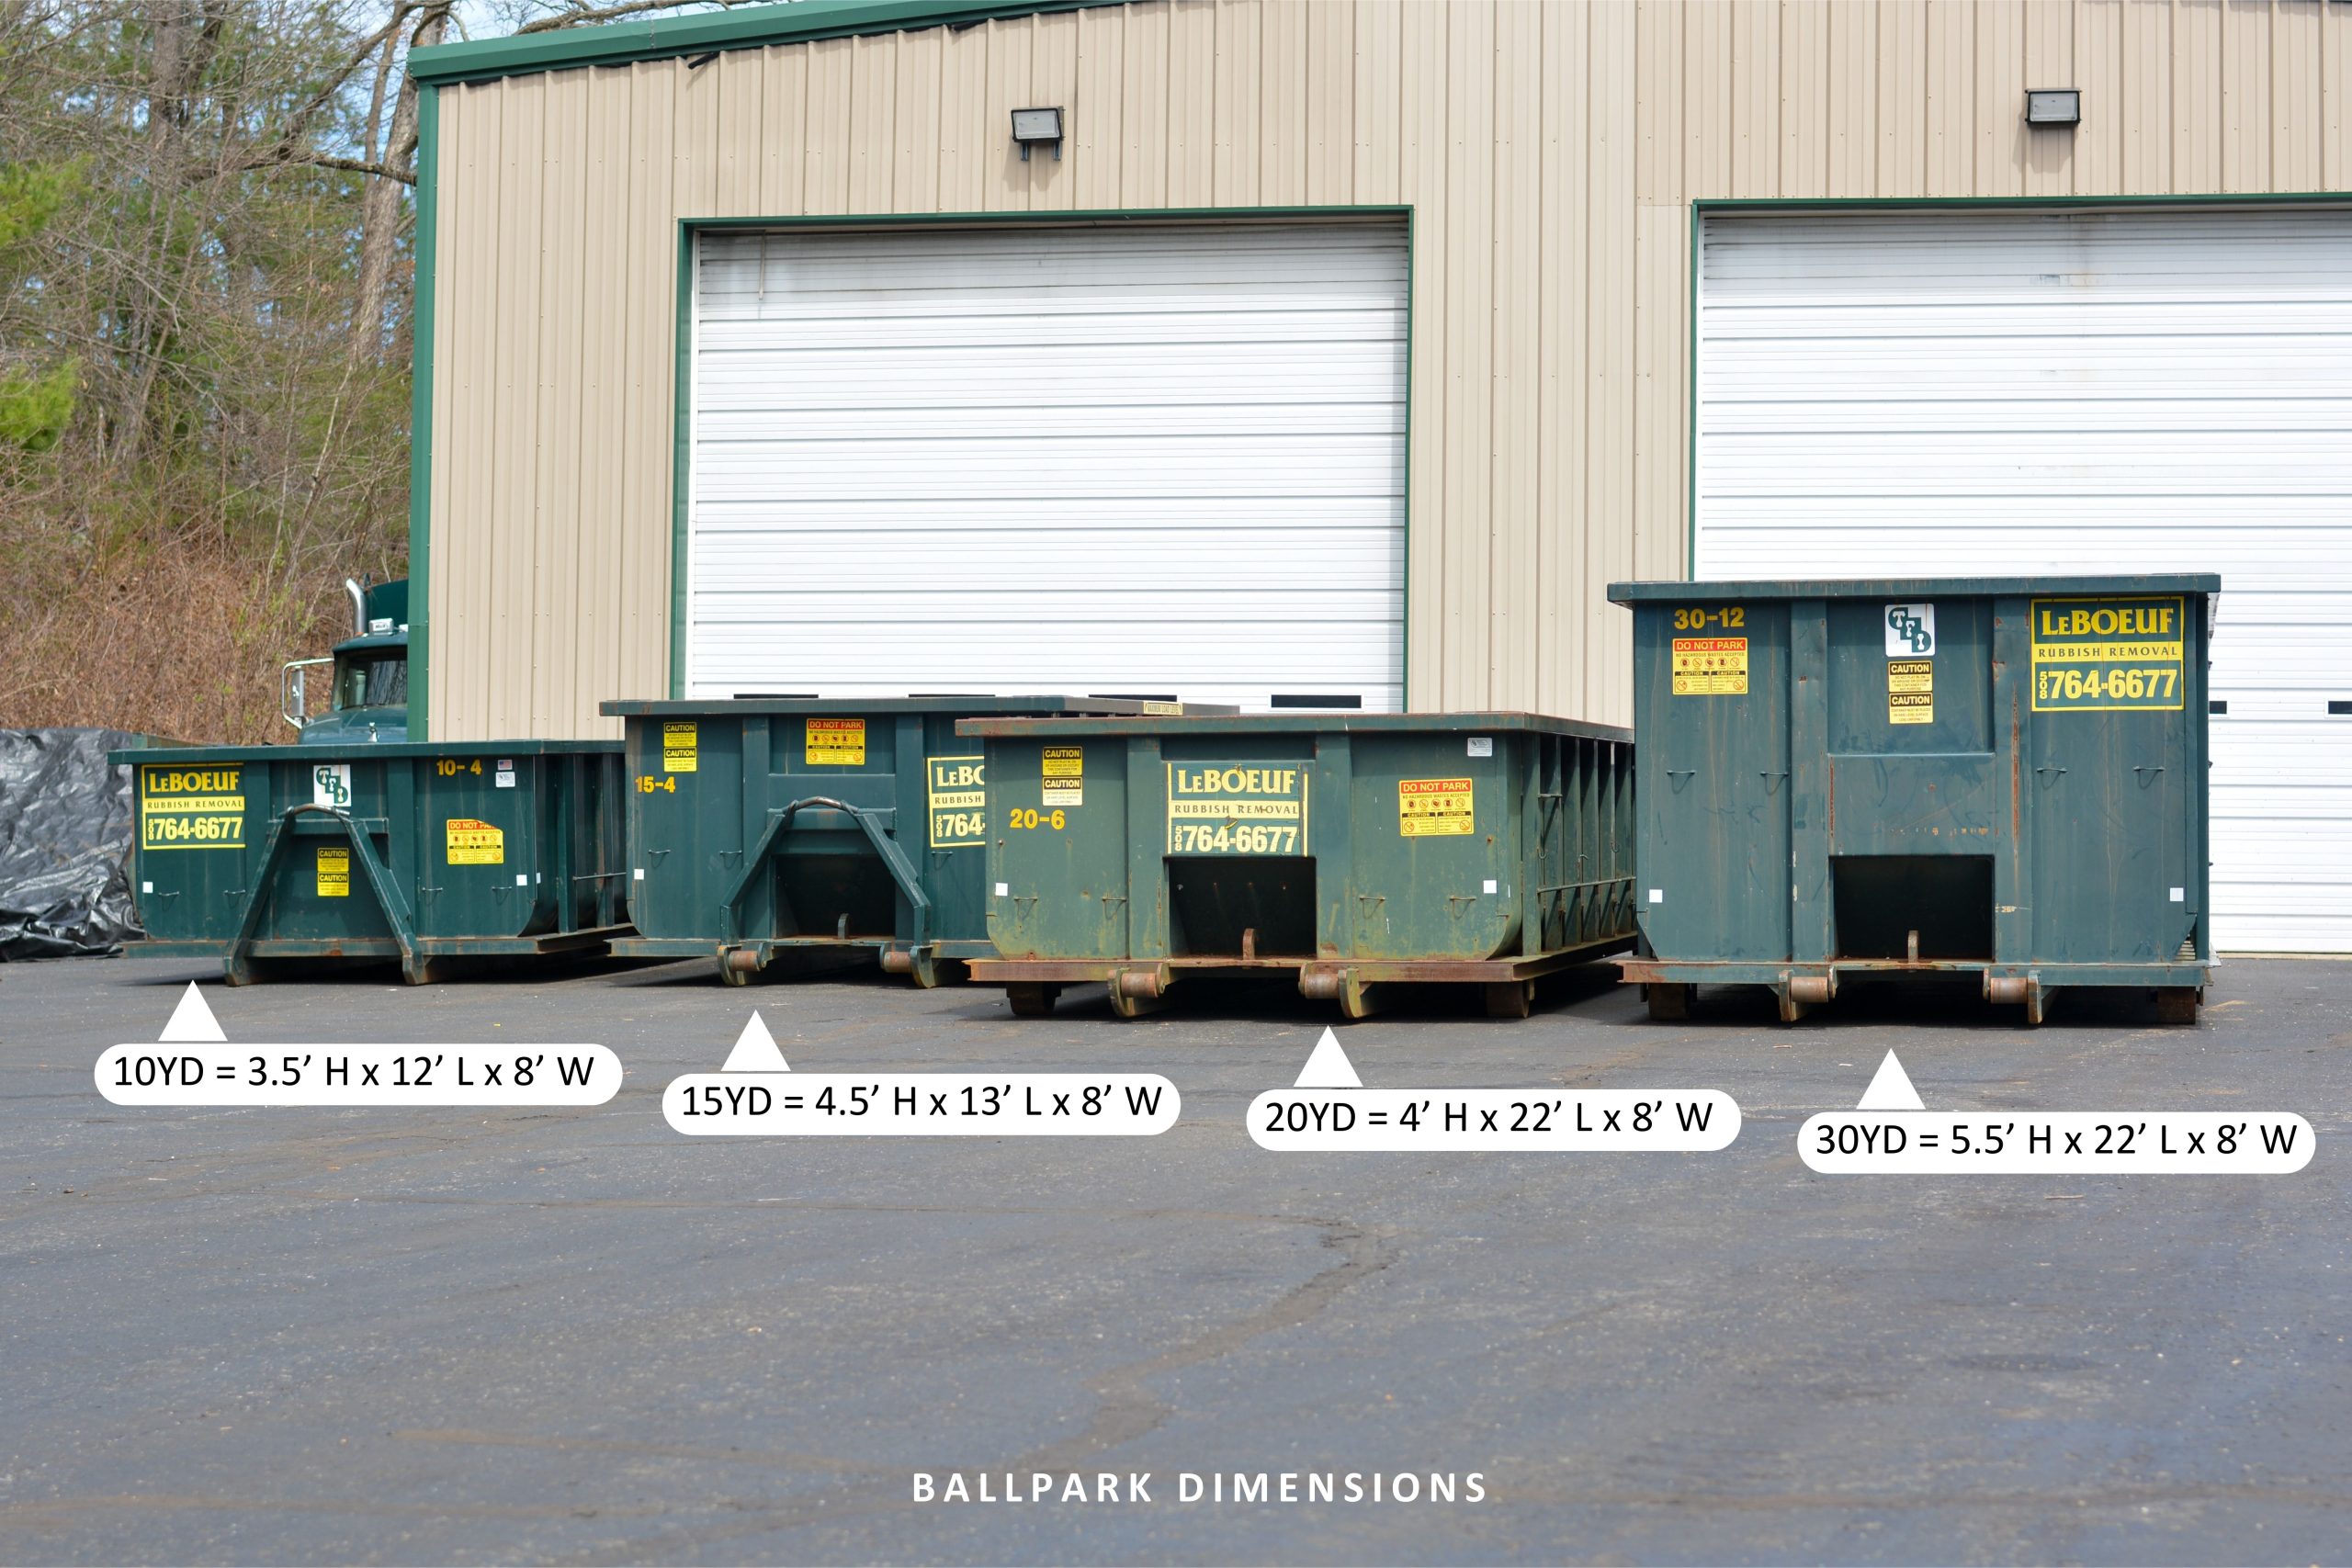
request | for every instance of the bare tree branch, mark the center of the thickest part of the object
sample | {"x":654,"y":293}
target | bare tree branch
{"x":587,"y":15}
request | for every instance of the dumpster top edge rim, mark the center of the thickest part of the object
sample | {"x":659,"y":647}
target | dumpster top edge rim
{"x":1904,"y":587}
{"x":974,"y":707}
{"x":351,"y":750}
{"x":1311,"y":723}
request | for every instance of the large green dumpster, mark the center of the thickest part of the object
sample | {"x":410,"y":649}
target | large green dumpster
{"x":768,"y":829}
{"x":1919,"y":777}
{"x":1355,"y":851}
{"x":421,"y":853}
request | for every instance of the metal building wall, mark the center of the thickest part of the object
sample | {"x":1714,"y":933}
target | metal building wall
{"x":1551,"y":153}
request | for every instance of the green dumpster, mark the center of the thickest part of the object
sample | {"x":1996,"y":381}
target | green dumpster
{"x":806,"y":830}
{"x":2002,"y":777}
{"x":425,"y":854}
{"x":1356,"y":852}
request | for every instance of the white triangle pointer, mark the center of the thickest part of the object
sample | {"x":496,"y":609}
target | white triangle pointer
{"x":192,"y":1022}
{"x":755,"y":1051}
{"x":1328,"y":1067}
{"x":1891,"y":1089}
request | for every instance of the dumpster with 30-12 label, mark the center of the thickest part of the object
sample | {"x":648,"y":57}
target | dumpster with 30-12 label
{"x":1357,"y":851}
{"x":429,"y":855}
{"x":2002,"y":777}
{"x":808,"y":830}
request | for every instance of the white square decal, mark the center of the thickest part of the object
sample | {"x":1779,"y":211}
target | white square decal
{"x":1657,"y":895}
{"x":1910,"y":631}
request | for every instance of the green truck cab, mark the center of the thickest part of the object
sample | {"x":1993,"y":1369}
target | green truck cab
{"x":369,"y":700}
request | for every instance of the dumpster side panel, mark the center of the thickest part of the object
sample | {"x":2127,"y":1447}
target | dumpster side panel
{"x":1058,"y":850}
{"x":685,"y":812}
{"x":1437,"y":821}
{"x":202,"y":821}
{"x":2116,"y":828}
{"x":1711,"y":684}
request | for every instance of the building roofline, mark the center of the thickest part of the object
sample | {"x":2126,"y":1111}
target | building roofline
{"x":666,"y":38}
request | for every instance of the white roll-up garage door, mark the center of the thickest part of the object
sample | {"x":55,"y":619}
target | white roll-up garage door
{"x":1998,"y":393}
{"x":1136,"y":459}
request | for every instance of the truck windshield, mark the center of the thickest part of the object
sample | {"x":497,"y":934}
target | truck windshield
{"x":379,"y":681}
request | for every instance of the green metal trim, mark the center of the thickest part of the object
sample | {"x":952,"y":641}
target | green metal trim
{"x":682,"y":366}
{"x":1702,"y":206}
{"x":1897,"y":203}
{"x":1690,"y":413}
{"x":420,"y":415}
{"x":1919,"y":587}
{"x":670,"y":37}
{"x":1447,"y":725}
{"x":188,"y":756}
{"x":682,"y":440}
{"x":1404,"y":615}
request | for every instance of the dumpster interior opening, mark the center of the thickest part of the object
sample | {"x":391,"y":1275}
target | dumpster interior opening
{"x":1214,"y":902}
{"x":1882,"y":904}
{"x":813,"y":893}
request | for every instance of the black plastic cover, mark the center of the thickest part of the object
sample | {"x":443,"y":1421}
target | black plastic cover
{"x":65,"y":819}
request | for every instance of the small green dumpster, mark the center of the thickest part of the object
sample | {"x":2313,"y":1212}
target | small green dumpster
{"x":2002,"y":777}
{"x":425,"y":854}
{"x":1357,"y":851}
{"x":804,"y":828}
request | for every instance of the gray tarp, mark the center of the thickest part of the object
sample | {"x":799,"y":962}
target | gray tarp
{"x":64,"y":843}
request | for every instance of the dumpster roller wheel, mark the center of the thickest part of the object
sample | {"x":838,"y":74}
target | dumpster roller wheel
{"x":1511,"y":998}
{"x":1031,"y":998}
{"x":1668,"y":1000}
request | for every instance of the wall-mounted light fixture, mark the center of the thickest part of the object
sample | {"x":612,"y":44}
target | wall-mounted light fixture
{"x":1032,"y":128}
{"x":2053,"y":106}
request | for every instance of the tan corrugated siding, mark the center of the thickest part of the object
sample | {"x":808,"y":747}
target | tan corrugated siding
{"x":1550,"y":152}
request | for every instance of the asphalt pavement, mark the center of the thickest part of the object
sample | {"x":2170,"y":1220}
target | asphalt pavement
{"x":537,"y":1335}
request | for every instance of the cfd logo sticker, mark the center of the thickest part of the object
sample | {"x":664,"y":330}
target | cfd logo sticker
{"x":1910,"y":631}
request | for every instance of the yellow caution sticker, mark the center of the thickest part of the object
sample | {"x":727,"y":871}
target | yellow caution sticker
{"x":2110,"y":654}
{"x":959,"y":802}
{"x":1711,"y":667}
{"x":1430,"y":809}
{"x":1064,"y":776}
{"x":836,"y":743}
{"x":1910,"y":691}
{"x":334,"y":872}
{"x":475,"y":844}
{"x":191,"y":808}
{"x":681,"y":747}
{"x":1236,"y":808}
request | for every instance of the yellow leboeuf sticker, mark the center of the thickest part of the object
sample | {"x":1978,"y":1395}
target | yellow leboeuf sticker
{"x":1236,"y":808}
{"x":681,"y":747}
{"x":475,"y":844}
{"x":835,"y":742}
{"x":2110,"y":654}
{"x":1711,"y":667}
{"x":1428,"y":808}
{"x":1063,"y":776}
{"x":334,"y":872}
{"x":959,"y":802}
{"x":1910,"y":691}
{"x":191,"y":808}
